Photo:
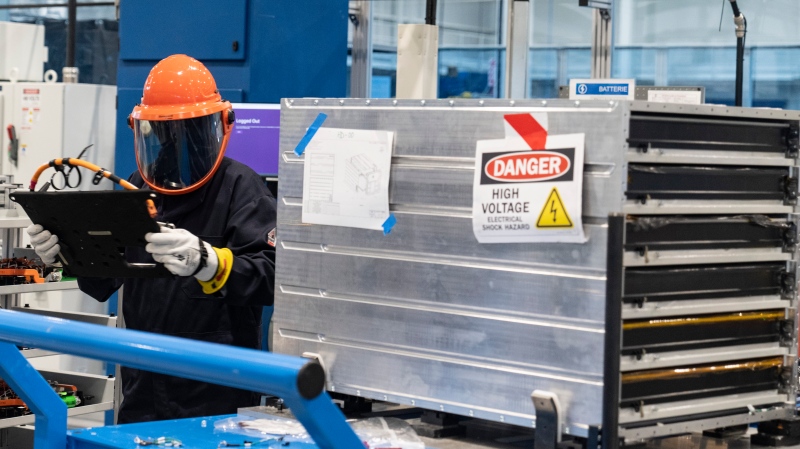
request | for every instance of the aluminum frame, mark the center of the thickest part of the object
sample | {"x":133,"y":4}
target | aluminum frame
{"x":415,"y":327}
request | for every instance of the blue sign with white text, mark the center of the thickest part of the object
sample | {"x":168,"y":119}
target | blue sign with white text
{"x":601,"y":89}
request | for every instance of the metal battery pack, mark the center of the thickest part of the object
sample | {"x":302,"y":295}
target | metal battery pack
{"x":677,"y":314}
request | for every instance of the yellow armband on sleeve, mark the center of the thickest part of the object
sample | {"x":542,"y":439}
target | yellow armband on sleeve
{"x":225,"y":258}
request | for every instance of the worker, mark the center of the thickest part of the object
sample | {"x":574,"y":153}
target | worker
{"x":221,"y":250}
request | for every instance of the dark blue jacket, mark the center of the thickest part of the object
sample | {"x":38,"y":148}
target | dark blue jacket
{"x":233,"y":210}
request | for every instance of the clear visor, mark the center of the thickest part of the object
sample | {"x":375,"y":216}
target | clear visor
{"x":177,"y":154}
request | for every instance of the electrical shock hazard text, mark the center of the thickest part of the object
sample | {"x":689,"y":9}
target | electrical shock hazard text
{"x":509,"y":223}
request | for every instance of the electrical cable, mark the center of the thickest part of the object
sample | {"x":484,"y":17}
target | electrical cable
{"x":160,"y":442}
{"x":100,"y":173}
{"x":248,"y":444}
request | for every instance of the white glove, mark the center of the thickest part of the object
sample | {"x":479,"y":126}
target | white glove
{"x":179,"y":251}
{"x":44,"y":243}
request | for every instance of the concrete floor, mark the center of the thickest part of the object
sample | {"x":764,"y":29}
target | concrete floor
{"x":693,"y":441}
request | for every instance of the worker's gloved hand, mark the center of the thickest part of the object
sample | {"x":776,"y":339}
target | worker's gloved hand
{"x":44,"y":243}
{"x":180,"y":251}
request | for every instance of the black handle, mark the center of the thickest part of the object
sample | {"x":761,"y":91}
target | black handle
{"x":736,"y":12}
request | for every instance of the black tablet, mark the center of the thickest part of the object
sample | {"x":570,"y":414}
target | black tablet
{"x":94,"y":228}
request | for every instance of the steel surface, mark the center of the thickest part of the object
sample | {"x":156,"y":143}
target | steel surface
{"x":426,"y":316}
{"x":193,"y":433}
{"x":429,"y":304}
{"x":697,"y":425}
{"x":657,"y":412}
{"x":707,"y":256}
{"x":699,"y":356}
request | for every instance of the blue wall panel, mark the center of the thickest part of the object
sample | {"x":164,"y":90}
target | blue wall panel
{"x":298,"y":48}
{"x":295,"y":48}
{"x":160,"y":29}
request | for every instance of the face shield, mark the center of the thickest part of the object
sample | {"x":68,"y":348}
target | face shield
{"x":178,"y":156}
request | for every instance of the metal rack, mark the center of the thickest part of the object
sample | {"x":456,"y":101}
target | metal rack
{"x":12,"y":222}
{"x":36,"y":288}
{"x":690,"y":215}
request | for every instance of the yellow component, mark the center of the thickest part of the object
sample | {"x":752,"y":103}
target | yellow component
{"x":225,"y":258}
{"x":677,"y":373}
{"x":554,"y":214}
{"x":710,"y":319}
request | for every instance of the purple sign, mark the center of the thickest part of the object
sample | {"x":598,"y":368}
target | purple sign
{"x":255,"y":140}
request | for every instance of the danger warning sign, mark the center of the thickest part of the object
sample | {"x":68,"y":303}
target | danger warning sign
{"x":528,"y":186}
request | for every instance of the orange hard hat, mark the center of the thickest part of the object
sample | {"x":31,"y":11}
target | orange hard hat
{"x":181,"y":127}
{"x":179,"y":87}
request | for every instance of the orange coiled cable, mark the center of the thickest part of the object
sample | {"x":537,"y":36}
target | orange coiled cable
{"x":151,"y":207}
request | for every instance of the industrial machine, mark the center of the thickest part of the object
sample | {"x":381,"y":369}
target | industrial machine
{"x":677,"y":314}
{"x":44,"y":121}
{"x":47,"y":120}
{"x":22,"y":52}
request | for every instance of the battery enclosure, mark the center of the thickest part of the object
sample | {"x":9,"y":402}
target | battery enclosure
{"x":678,"y":313}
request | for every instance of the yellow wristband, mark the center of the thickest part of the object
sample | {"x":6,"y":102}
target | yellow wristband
{"x":224,"y":268}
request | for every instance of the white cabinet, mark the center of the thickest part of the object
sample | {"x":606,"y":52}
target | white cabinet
{"x":54,"y":120}
{"x":22,"y":51}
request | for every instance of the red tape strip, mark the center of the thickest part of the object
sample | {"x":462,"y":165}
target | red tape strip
{"x":531,"y":131}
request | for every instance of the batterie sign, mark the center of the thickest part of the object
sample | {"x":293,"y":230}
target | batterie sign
{"x":529,"y":194}
{"x":602,"y":89}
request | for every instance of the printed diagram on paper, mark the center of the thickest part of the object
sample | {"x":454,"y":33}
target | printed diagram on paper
{"x":346,"y":178}
{"x":363,"y":175}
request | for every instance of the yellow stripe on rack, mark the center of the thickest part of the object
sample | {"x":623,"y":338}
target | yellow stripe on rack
{"x":677,"y":373}
{"x":767,"y":315}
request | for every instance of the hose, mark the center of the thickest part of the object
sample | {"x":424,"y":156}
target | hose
{"x":73,"y":162}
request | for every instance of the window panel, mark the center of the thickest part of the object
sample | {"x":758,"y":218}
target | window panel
{"x":470,"y":33}
{"x":96,"y":43}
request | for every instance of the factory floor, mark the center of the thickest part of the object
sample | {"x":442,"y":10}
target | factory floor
{"x":476,"y":434}
{"x":488,"y":435}
{"x":694,"y":441}
{"x":24,"y":439}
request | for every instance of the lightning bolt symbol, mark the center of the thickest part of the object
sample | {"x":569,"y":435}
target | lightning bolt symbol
{"x":553,"y":209}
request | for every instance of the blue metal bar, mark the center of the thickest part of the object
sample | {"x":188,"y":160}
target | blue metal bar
{"x":294,"y":379}
{"x":306,"y":410}
{"x":50,"y":410}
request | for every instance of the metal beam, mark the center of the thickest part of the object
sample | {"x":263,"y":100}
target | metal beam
{"x":601,"y":43}
{"x":430,"y":12}
{"x":361,"y":67}
{"x":52,"y":5}
{"x":602,"y":4}
{"x":517,"y":33}
{"x":72,"y":17}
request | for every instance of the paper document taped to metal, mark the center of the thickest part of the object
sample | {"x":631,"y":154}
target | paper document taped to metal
{"x":346,"y":178}
{"x":675,"y":96}
{"x":525,"y":194}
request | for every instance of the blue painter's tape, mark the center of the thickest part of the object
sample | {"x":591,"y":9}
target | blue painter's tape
{"x":389,"y":224}
{"x":301,"y":147}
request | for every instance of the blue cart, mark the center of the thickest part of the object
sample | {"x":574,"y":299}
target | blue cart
{"x":298,"y":381}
